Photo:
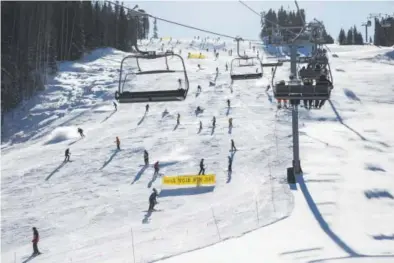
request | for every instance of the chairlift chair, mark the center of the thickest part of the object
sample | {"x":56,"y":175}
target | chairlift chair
{"x":245,"y":76}
{"x":179,"y":94}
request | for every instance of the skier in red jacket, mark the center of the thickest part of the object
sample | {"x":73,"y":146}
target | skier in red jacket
{"x":36,"y":238}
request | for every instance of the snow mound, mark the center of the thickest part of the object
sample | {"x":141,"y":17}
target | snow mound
{"x":61,"y":134}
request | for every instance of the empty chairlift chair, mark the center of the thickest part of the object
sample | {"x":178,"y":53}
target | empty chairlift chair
{"x":179,"y":92}
{"x":254,"y":71}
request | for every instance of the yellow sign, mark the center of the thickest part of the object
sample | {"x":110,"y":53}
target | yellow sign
{"x":196,"y":55}
{"x":165,"y":38}
{"x":207,"y":179}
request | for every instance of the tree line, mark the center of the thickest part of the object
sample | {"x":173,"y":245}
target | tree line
{"x":383,"y":34}
{"x":352,"y":37}
{"x":37,"y":34}
{"x":285,"y":18}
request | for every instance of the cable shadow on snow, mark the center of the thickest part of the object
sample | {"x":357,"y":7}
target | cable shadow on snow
{"x":138,"y":175}
{"x":339,"y":118}
{"x":110,"y":159}
{"x":55,"y":171}
{"x":319,"y":218}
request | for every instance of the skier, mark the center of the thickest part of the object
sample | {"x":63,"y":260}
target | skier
{"x":230,"y":163}
{"x":36,"y":238}
{"x":80,"y":131}
{"x":214,"y":121}
{"x":67,"y":155}
{"x":228,"y":103}
{"x":268,"y":87}
{"x":202,"y":169}
{"x":217,"y":70}
{"x":198,"y":110}
{"x":117,"y":142}
{"x":200,"y":126}
{"x":226,"y":66}
{"x":233,"y":146}
{"x":230,"y":123}
{"x":198,"y":88}
{"x":147,"y":108}
{"x":152,"y":200}
{"x":178,"y":119}
{"x":115,"y":106}
{"x":180,"y":83}
{"x":146,"y":157}
{"x":156,"y":166}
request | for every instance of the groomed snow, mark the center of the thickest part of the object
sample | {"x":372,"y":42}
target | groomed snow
{"x":92,"y":209}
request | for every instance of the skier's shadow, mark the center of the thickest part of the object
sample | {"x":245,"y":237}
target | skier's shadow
{"x":109,"y":116}
{"x":138,"y":175}
{"x":199,"y":130}
{"x":198,"y":93}
{"x":71,"y":143}
{"x":55,"y":171}
{"x":142,"y":119}
{"x":213,"y":130}
{"x":28,"y":259}
{"x":146,"y":217}
{"x":228,"y":111}
{"x":110,"y":159}
{"x":230,"y":129}
{"x":229,"y":177}
{"x":230,"y":172}
{"x":176,"y":127}
{"x":152,"y":180}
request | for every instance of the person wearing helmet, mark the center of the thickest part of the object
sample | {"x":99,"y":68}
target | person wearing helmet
{"x":152,"y":200}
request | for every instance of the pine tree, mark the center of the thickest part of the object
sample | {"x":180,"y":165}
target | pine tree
{"x":155,"y":35}
{"x":342,"y":37}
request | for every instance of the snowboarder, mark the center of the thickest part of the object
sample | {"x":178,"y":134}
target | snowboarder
{"x":230,"y":123}
{"x":178,"y":119}
{"x":198,"y":88}
{"x":233,"y":148}
{"x":67,"y":155}
{"x":115,"y":106}
{"x":228,"y":103}
{"x":156,"y":166}
{"x":36,"y":238}
{"x":80,"y":131}
{"x":147,"y":108}
{"x":230,"y":163}
{"x":202,"y":169}
{"x":117,"y":142}
{"x":146,"y":157}
{"x":214,"y":122}
{"x":152,"y":200}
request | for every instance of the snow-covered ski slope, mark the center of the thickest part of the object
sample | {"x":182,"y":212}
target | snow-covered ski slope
{"x":93,"y":209}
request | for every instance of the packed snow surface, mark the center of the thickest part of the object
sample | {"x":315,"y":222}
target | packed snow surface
{"x":93,"y":209}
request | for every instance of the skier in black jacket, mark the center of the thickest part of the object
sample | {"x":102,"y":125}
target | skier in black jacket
{"x":152,"y":200}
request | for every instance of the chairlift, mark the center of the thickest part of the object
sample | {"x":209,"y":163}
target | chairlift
{"x":237,"y":63}
{"x":296,"y":89}
{"x":179,"y":94}
{"x":386,"y":24}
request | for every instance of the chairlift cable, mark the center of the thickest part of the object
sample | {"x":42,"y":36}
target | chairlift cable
{"x":177,"y":23}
